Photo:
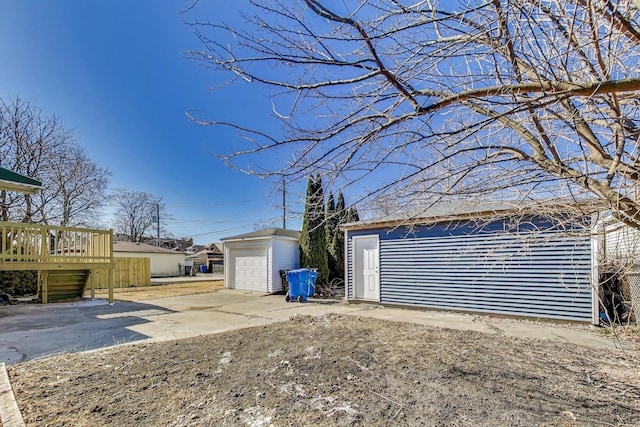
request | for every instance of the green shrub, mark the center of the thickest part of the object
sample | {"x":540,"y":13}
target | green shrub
{"x":18,"y":283}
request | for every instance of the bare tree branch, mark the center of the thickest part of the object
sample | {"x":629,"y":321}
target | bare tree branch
{"x":444,"y":99}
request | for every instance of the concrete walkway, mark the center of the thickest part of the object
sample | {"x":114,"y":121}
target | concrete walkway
{"x":32,"y":331}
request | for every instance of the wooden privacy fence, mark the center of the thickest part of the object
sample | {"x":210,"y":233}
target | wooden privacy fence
{"x":127,"y":272}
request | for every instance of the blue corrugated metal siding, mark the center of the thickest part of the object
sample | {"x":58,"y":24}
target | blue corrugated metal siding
{"x":526,"y":274}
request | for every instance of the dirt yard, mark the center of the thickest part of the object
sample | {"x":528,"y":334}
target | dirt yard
{"x":334,"y":370}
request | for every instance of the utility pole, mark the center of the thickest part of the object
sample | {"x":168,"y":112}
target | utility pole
{"x":284,"y":203}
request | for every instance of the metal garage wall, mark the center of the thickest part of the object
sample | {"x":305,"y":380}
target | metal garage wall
{"x":349,"y":267}
{"x":541,"y":274}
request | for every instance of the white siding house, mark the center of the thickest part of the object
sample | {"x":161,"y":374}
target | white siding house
{"x":620,"y":275}
{"x":621,"y":243}
{"x":253,"y":260}
{"x":164,"y":262}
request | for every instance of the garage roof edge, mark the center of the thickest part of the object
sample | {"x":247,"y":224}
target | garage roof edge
{"x":452,"y":211}
{"x":261,"y":234}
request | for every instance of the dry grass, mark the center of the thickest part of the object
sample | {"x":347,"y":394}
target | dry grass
{"x":335,"y":371}
{"x":160,"y":291}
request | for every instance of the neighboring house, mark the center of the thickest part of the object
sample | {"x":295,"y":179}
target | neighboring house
{"x":198,"y":260}
{"x":164,"y":262}
{"x":620,"y":243}
{"x":194,"y":249}
{"x":620,"y":269}
{"x":210,"y":257}
{"x":477,"y":259}
{"x":253,"y":261}
{"x":215,"y":256}
{"x":175,"y":244}
{"x":12,"y":181}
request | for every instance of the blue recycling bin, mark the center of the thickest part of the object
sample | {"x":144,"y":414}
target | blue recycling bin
{"x":302,"y":284}
{"x":203,"y":268}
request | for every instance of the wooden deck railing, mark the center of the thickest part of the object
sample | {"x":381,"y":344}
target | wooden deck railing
{"x":46,"y":247}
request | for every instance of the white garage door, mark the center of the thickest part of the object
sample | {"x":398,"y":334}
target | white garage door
{"x":251,"y":269}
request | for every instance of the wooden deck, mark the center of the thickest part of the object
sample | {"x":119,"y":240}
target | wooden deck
{"x":67,"y":255}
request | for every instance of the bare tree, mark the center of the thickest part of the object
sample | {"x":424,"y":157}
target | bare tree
{"x":25,"y":136}
{"x":78,"y":188}
{"x":39,"y":146}
{"x":521,"y":99}
{"x":135,"y":215}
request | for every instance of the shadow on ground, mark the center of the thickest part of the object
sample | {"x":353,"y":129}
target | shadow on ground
{"x":31,"y":331}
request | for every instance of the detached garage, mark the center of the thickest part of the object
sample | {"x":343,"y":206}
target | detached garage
{"x":496,"y":261}
{"x":253,"y":260}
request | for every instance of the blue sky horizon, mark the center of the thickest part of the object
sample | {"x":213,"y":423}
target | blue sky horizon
{"x":116,"y":73}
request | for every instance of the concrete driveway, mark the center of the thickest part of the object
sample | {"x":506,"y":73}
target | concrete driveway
{"x":32,"y":331}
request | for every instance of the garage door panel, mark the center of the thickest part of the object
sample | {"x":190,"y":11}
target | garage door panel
{"x":250,"y":268}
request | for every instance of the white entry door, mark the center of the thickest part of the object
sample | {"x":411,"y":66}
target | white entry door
{"x":366,"y":269}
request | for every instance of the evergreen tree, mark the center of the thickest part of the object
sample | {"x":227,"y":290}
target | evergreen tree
{"x":313,"y":239}
{"x":341,"y":210}
{"x":332,"y":225}
{"x":332,"y":219}
{"x":304,"y":234}
{"x":352,"y":214}
{"x":336,"y":246}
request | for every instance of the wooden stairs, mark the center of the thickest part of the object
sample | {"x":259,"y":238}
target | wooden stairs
{"x":63,"y":285}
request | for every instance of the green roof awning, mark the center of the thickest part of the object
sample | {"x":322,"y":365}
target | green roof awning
{"x":15,"y":182}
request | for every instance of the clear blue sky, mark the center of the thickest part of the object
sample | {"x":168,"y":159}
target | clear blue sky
{"x":115,"y":72}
